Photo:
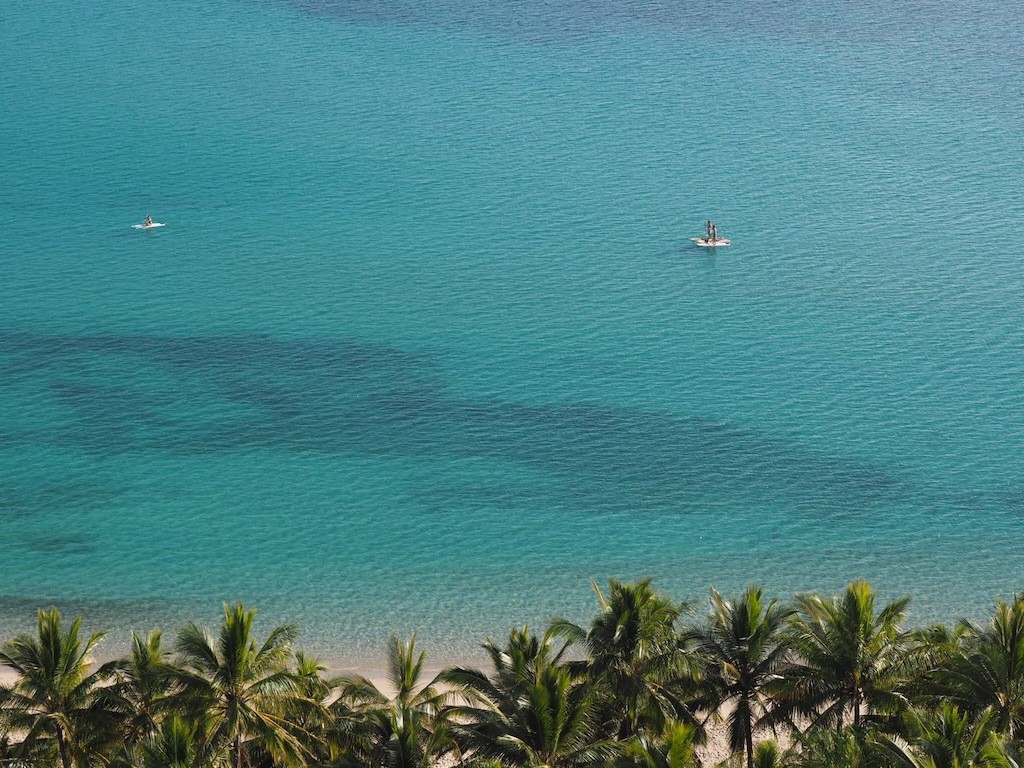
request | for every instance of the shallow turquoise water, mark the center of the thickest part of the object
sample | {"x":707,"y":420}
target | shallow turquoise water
{"x":424,"y":344}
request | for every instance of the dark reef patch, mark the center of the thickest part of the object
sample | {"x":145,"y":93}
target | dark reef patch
{"x":61,"y":544}
{"x":364,"y":399}
{"x":811,"y":22}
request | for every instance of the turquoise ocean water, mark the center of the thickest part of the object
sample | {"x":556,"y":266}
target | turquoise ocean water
{"x":424,"y":344}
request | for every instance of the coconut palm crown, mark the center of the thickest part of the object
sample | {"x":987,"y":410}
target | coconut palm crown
{"x":849,"y":659}
{"x":742,"y":647}
{"x":636,"y":656}
{"x":408,"y":729}
{"x":986,"y":669}
{"x":53,"y":705}
{"x":239,"y":691}
{"x":530,"y":711}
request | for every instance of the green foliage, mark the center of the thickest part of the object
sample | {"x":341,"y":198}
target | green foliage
{"x":744,"y":655}
{"x":768,"y":755}
{"x":239,"y":692}
{"x":838,"y":748}
{"x":141,"y":692}
{"x":835,"y":681}
{"x":53,"y":707}
{"x":636,"y":658}
{"x":175,"y":743}
{"x":849,"y":661}
{"x":530,"y":711}
{"x":986,"y":669}
{"x":676,"y":748}
{"x":950,"y":738}
{"x":407,"y":730}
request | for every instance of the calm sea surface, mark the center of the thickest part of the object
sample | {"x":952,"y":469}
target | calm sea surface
{"x":425,"y":346}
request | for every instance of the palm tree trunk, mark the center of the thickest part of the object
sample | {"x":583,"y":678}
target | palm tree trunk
{"x":626,"y":729}
{"x":62,"y":747}
{"x":748,"y":740}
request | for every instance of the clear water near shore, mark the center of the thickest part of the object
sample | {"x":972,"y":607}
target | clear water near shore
{"x":424,"y":344}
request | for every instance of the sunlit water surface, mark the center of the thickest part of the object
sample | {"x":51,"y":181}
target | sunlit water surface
{"x":425,"y":346}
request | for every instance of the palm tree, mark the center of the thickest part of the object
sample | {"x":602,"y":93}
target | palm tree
{"x":515,"y":666}
{"x":986,"y":669}
{"x":674,"y":749}
{"x":143,"y":687}
{"x":744,"y":655}
{"x":530,"y":711}
{"x":313,"y":685}
{"x":931,"y":653}
{"x":849,"y":660}
{"x":309,"y":710}
{"x":240,"y":692}
{"x":636,"y":656}
{"x":949,"y":738}
{"x":175,"y":744}
{"x":768,"y":755}
{"x":843,"y":747}
{"x":552,"y":725}
{"x":53,"y":703}
{"x":407,"y":730}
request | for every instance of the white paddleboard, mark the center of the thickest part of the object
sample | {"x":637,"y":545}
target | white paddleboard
{"x":154,"y":225}
{"x":719,"y":243}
